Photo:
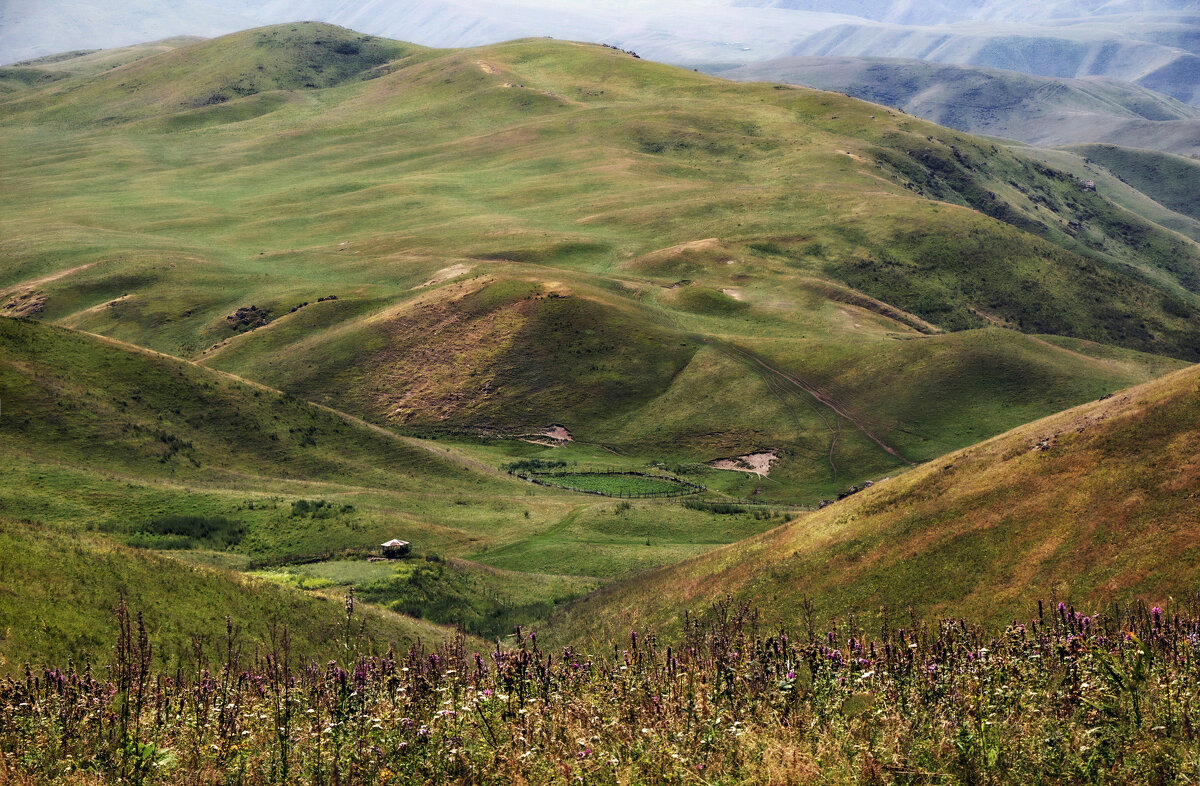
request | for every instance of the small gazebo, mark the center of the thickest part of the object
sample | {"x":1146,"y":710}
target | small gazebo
{"x":396,"y":548}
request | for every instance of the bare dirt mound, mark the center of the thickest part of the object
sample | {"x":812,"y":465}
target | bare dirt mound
{"x":25,"y":304}
{"x":552,"y":436}
{"x":753,"y":463}
{"x":445,"y":274}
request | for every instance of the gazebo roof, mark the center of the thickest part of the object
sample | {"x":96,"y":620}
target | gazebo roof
{"x":393,"y":543}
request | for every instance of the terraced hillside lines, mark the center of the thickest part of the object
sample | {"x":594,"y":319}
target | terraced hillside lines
{"x":1093,"y":503}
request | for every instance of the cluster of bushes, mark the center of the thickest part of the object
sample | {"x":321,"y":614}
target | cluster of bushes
{"x":188,"y":532}
{"x":732,"y":509}
{"x":532,"y":465}
{"x":318,"y":509}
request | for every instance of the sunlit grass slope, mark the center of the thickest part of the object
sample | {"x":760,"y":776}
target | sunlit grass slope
{"x":1093,"y":504}
{"x":59,"y":593}
{"x":547,"y":232}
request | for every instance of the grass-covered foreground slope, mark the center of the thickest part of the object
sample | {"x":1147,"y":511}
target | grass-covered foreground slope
{"x":60,"y":592}
{"x":498,"y":239}
{"x":1089,"y":505}
{"x":1067,"y":696}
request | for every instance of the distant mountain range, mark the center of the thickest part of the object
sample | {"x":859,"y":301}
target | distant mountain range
{"x":1155,"y":43}
{"x":1045,"y":111}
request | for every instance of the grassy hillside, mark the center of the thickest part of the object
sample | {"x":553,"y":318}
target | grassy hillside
{"x":1172,"y":181}
{"x":117,"y":448}
{"x":494,"y":240}
{"x":1116,"y":189}
{"x":209,"y":73}
{"x":60,"y":592}
{"x":1089,"y":505}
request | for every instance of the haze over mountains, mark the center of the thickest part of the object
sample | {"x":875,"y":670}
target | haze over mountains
{"x":1044,"y":111}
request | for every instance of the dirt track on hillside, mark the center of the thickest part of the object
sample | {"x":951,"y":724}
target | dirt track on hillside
{"x":821,"y":396}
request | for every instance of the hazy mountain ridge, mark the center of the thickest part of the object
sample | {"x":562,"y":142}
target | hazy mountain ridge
{"x":1112,"y":47}
{"x":1044,"y":111}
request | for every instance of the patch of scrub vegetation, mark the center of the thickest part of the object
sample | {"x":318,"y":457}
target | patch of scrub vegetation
{"x":616,"y":484}
{"x":188,"y":532}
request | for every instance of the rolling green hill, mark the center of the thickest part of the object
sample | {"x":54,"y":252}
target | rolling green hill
{"x":60,"y":593}
{"x":1086,"y":506}
{"x":493,"y":240}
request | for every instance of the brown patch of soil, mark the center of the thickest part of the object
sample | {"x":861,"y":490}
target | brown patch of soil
{"x":26,"y":304}
{"x":753,"y":463}
{"x":445,"y":274}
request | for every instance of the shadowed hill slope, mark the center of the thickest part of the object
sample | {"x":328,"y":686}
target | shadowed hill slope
{"x":1172,"y":181}
{"x":1091,"y":505}
{"x":70,"y":397}
{"x":1118,"y":190}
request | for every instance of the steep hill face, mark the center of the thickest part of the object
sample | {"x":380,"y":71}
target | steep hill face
{"x":1092,"y":504}
{"x":540,"y":232}
{"x":1038,"y":110}
{"x":1119,"y":190}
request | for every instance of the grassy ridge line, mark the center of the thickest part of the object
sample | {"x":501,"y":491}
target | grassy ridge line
{"x":1091,"y":504}
{"x":60,"y":590}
